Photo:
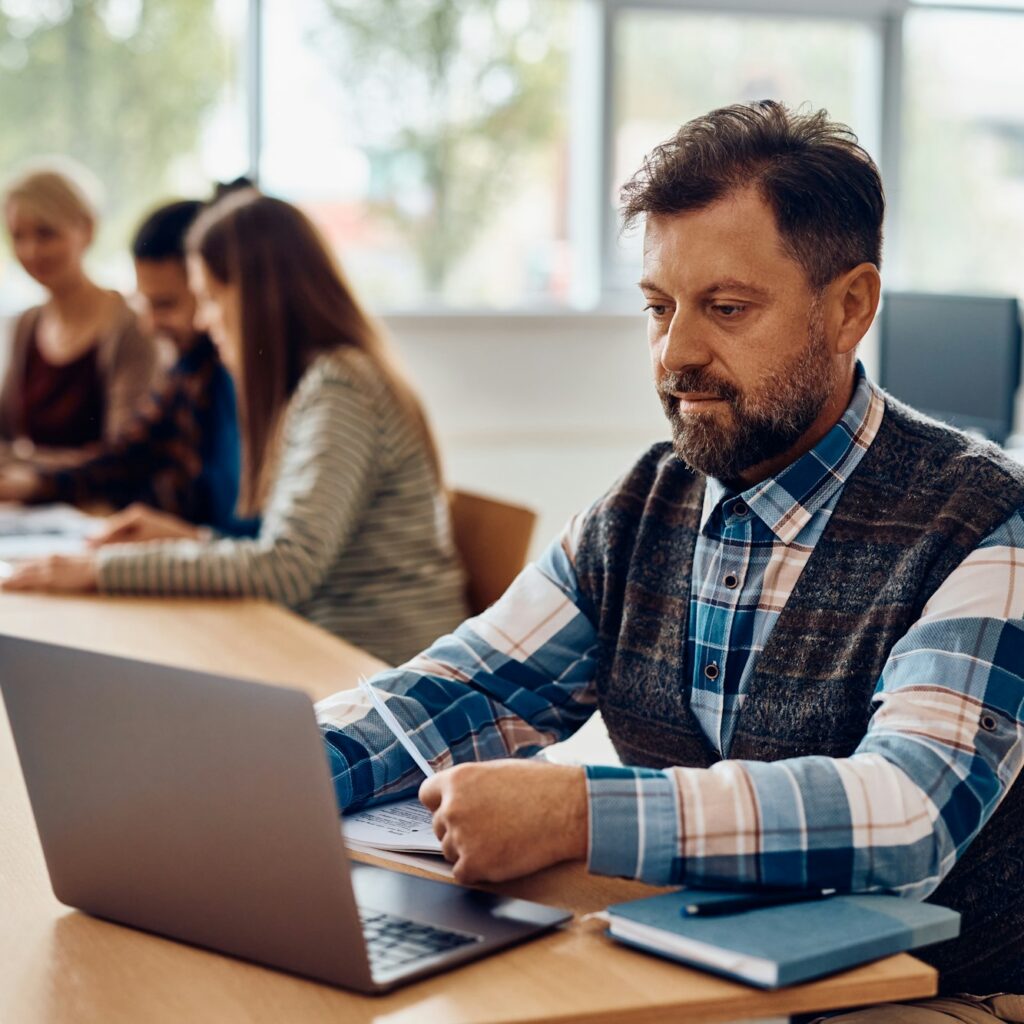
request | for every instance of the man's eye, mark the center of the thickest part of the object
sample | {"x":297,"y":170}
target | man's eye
{"x":656,"y":308}
{"x":728,"y":310}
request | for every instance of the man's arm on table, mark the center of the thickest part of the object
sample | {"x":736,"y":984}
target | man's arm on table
{"x":895,"y":815}
{"x":942,"y":749}
{"x":506,"y":683}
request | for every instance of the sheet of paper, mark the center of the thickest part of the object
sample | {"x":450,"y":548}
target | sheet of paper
{"x":41,"y":530}
{"x":404,"y":826}
{"x":15,"y":549}
{"x":46,"y":520}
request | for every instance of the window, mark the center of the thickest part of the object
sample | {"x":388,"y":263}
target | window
{"x":962,"y":200}
{"x":670,"y":66}
{"x":1002,"y":4}
{"x":452,"y":153}
{"x":145,"y":96}
{"x":428,"y":141}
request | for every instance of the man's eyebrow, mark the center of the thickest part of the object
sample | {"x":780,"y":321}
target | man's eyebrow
{"x":726,"y":284}
{"x":730,"y":284}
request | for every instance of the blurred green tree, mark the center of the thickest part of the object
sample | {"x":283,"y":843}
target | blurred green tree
{"x":453,"y":97}
{"x":122,"y":86}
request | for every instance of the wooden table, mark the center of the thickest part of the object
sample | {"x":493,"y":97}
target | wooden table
{"x":60,"y":966}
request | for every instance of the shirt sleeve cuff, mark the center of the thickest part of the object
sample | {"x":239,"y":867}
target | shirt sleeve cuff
{"x":341,"y":777}
{"x":635,"y":828}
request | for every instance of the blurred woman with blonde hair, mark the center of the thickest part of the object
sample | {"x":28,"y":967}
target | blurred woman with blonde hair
{"x":337,"y":455}
{"x":77,"y":365}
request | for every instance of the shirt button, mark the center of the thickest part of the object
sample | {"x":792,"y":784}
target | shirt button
{"x":732,"y":581}
{"x":711,"y":671}
{"x":988,"y":723}
{"x":741,"y":509}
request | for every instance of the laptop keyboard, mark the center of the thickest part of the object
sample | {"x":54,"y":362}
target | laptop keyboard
{"x":393,"y":941}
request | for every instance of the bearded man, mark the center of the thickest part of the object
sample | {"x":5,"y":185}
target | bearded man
{"x":801,"y":620}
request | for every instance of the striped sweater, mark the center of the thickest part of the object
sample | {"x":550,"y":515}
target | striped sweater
{"x":355,"y":533}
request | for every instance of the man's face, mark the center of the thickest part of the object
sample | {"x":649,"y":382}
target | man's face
{"x":170,"y":303}
{"x":738,"y":343}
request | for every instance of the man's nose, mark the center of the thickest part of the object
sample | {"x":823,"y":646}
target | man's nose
{"x":684,"y":345}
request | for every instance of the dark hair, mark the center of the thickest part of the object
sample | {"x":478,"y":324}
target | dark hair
{"x":161,"y":236}
{"x":224,"y":188}
{"x":295,"y":304}
{"x":823,"y":187}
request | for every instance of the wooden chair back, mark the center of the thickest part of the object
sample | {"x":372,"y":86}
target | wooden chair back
{"x":492,"y":538}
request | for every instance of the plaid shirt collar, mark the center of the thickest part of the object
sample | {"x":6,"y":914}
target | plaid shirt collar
{"x":787,"y":502}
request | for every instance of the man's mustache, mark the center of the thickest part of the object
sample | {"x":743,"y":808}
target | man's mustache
{"x":697,"y":382}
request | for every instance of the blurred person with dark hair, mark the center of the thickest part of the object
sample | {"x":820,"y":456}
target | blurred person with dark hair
{"x":181,"y":451}
{"x":337,"y":456}
{"x":78,"y":364}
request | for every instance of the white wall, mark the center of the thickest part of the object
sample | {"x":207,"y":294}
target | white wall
{"x":543,"y":410}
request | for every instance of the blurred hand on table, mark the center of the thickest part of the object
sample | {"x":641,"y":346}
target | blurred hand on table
{"x":56,"y":574}
{"x":77,"y":574}
{"x":140,"y":523}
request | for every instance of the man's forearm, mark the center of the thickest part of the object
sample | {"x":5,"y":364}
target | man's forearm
{"x":943,"y":748}
{"x":505,"y":684}
{"x":784,"y":823}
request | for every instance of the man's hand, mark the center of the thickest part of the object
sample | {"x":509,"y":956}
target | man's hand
{"x":501,"y":819}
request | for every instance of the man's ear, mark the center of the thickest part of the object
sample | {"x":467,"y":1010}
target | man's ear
{"x":853,"y":303}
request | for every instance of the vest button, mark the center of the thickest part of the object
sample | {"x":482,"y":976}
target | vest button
{"x":711,"y":671}
{"x":732,"y":581}
{"x":741,"y":509}
{"x":988,"y":723}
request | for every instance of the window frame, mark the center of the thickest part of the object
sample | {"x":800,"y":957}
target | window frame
{"x":875,"y":15}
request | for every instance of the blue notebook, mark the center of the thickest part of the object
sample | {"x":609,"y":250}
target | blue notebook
{"x":781,"y":944}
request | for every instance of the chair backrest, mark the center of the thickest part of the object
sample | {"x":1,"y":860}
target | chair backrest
{"x":492,"y":538}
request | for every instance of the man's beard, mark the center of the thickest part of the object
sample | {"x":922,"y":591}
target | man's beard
{"x":765,"y":422}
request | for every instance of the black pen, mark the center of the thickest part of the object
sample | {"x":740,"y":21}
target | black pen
{"x":752,"y":901}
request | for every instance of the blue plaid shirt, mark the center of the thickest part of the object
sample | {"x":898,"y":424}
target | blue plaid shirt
{"x":945,"y":743}
{"x":750,"y":552}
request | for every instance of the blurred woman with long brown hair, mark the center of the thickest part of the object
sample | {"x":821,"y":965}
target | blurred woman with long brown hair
{"x":338,"y":458}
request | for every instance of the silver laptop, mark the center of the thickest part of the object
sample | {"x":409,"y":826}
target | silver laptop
{"x":201,"y":808}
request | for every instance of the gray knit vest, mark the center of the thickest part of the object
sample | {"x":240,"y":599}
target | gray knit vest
{"x":922,"y":497}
